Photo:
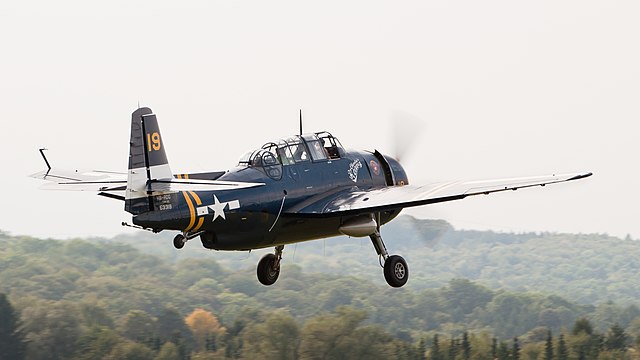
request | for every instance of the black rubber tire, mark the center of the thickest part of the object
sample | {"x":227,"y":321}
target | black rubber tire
{"x":179,"y":241}
{"x":396,"y":271}
{"x":266,"y":273}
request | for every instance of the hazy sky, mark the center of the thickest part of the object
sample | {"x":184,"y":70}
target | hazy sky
{"x":505,"y":88}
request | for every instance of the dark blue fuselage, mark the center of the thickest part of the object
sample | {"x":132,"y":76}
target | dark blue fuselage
{"x":259,"y":217}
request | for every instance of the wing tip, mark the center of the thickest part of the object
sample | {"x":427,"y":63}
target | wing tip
{"x":581,"y":176}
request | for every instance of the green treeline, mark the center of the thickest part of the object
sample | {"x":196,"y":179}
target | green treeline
{"x":579,"y":343}
{"x":587,"y":269}
{"x":86,"y":333}
{"x":105,"y":300}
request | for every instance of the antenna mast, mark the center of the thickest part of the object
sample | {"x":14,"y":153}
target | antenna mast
{"x":300,"y":122}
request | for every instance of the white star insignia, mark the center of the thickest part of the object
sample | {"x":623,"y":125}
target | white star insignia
{"x":218,"y":208}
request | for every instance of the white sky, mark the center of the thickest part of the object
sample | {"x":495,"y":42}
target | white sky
{"x":505,"y":88}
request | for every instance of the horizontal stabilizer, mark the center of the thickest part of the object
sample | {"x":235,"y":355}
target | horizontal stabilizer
{"x":105,"y":181}
{"x":175,"y":185}
{"x":81,"y":180}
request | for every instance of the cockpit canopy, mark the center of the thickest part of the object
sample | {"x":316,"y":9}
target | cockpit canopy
{"x":271,"y":156}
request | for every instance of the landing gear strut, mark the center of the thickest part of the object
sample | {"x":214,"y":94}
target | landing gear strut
{"x":181,"y":239}
{"x":396,"y":271}
{"x":269,"y":267}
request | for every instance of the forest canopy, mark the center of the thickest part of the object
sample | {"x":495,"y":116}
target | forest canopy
{"x":102,"y":298}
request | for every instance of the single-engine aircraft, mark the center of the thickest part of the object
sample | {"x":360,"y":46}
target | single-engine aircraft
{"x":301,"y":188}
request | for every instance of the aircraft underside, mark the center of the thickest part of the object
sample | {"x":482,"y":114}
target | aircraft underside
{"x":299,"y":229}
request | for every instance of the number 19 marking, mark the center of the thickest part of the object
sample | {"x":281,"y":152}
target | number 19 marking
{"x":153,"y":142}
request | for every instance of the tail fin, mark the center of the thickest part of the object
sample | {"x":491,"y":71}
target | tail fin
{"x":147,"y":161}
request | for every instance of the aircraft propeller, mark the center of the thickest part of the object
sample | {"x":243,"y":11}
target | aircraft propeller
{"x":406,"y":129}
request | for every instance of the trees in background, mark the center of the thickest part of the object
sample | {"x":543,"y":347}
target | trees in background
{"x":617,"y":339}
{"x":277,"y":336}
{"x":139,"y":326}
{"x":12,"y":342}
{"x":171,"y":327}
{"x":52,"y":329}
{"x":548,"y":346}
{"x":435,"y":353}
{"x":579,"y":344}
{"x":95,"y":301}
{"x":98,"y":343}
{"x":206,"y":329}
{"x":563,"y":352}
{"x":61,"y":330}
{"x":343,"y":336}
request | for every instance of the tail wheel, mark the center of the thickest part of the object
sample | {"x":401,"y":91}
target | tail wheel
{"x":396,"y":271}
{"x":268,"y":269}
{"x":179,"y":241}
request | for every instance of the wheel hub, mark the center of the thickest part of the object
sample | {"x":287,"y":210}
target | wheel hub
{"x":399,"y":271}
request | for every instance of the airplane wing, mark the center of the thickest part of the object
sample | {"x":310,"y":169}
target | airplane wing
{"x":356,"y":200}
{"x":112,"y":182}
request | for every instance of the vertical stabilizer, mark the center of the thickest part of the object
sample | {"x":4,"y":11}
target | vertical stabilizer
{"x":147,"y":161}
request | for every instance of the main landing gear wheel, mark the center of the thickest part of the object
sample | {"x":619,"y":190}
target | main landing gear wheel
{"x":396,"y":271}
{"x":179,"y":241}
{"x":269,"y":267}
{"x":267,"y":272}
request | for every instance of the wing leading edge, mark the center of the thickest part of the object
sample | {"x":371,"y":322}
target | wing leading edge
{"x":356,"y":200}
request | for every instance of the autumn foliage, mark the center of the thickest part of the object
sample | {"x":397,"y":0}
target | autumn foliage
{"x":205,"y":327}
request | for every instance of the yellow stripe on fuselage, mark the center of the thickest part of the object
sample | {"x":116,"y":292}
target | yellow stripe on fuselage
{"x":199,"y":202}
{"x":200,"y":222}
{"x":192,"y":212}
{"x":196,"y":197}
